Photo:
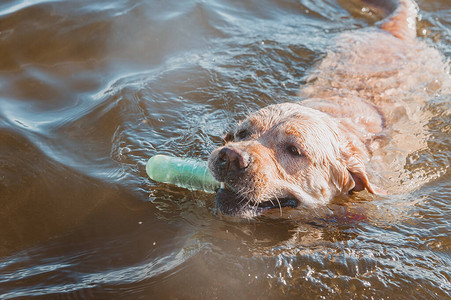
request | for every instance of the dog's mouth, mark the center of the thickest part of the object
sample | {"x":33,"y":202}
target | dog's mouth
{"x":278,"y":203}
{"x":230,"y":203}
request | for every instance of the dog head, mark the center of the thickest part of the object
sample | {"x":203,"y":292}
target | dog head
{"x":286,"y":155}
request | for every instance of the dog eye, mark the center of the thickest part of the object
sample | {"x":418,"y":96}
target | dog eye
{"x":242,"y":134}
{"x":293,"y":150}
{"x":228,"y":137}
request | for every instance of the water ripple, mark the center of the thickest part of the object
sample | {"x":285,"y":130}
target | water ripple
{"x":91,"y":89}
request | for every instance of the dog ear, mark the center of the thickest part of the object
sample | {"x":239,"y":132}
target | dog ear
{"x":358,"y":174}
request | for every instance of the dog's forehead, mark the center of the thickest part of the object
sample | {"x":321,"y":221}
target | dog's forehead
{"x":292,"y":122}
{"x":288,"y":118}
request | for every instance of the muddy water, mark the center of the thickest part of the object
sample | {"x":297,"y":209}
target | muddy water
{"x":89,"y":90}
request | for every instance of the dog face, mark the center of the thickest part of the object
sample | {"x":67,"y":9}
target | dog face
{"x":285,"y":155}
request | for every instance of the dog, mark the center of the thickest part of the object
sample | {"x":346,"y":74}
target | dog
{"x":360,"y":108}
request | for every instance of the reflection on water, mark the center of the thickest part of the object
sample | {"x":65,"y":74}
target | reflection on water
{"x":90,"y":90}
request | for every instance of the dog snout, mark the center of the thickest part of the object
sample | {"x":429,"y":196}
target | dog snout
{"x":233,"y":160}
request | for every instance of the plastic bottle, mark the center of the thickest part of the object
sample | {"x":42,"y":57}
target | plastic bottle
{"x":187,"y":173}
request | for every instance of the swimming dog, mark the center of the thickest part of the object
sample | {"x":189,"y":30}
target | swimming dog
{"x":358,"y":116}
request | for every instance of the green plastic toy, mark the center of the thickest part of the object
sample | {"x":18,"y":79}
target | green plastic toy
{"x":187,"y":173}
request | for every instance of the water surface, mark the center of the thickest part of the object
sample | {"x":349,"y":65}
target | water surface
{"x":89,"y":90}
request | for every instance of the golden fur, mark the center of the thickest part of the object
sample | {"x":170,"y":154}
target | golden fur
{"x":360,"y":109}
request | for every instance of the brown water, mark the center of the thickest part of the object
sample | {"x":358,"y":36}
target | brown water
{"x":89,"y":90}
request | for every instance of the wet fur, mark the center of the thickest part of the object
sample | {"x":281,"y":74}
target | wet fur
{"x":335,"y":141}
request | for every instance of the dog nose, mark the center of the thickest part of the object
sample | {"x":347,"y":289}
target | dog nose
{"x":232,"y":159}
